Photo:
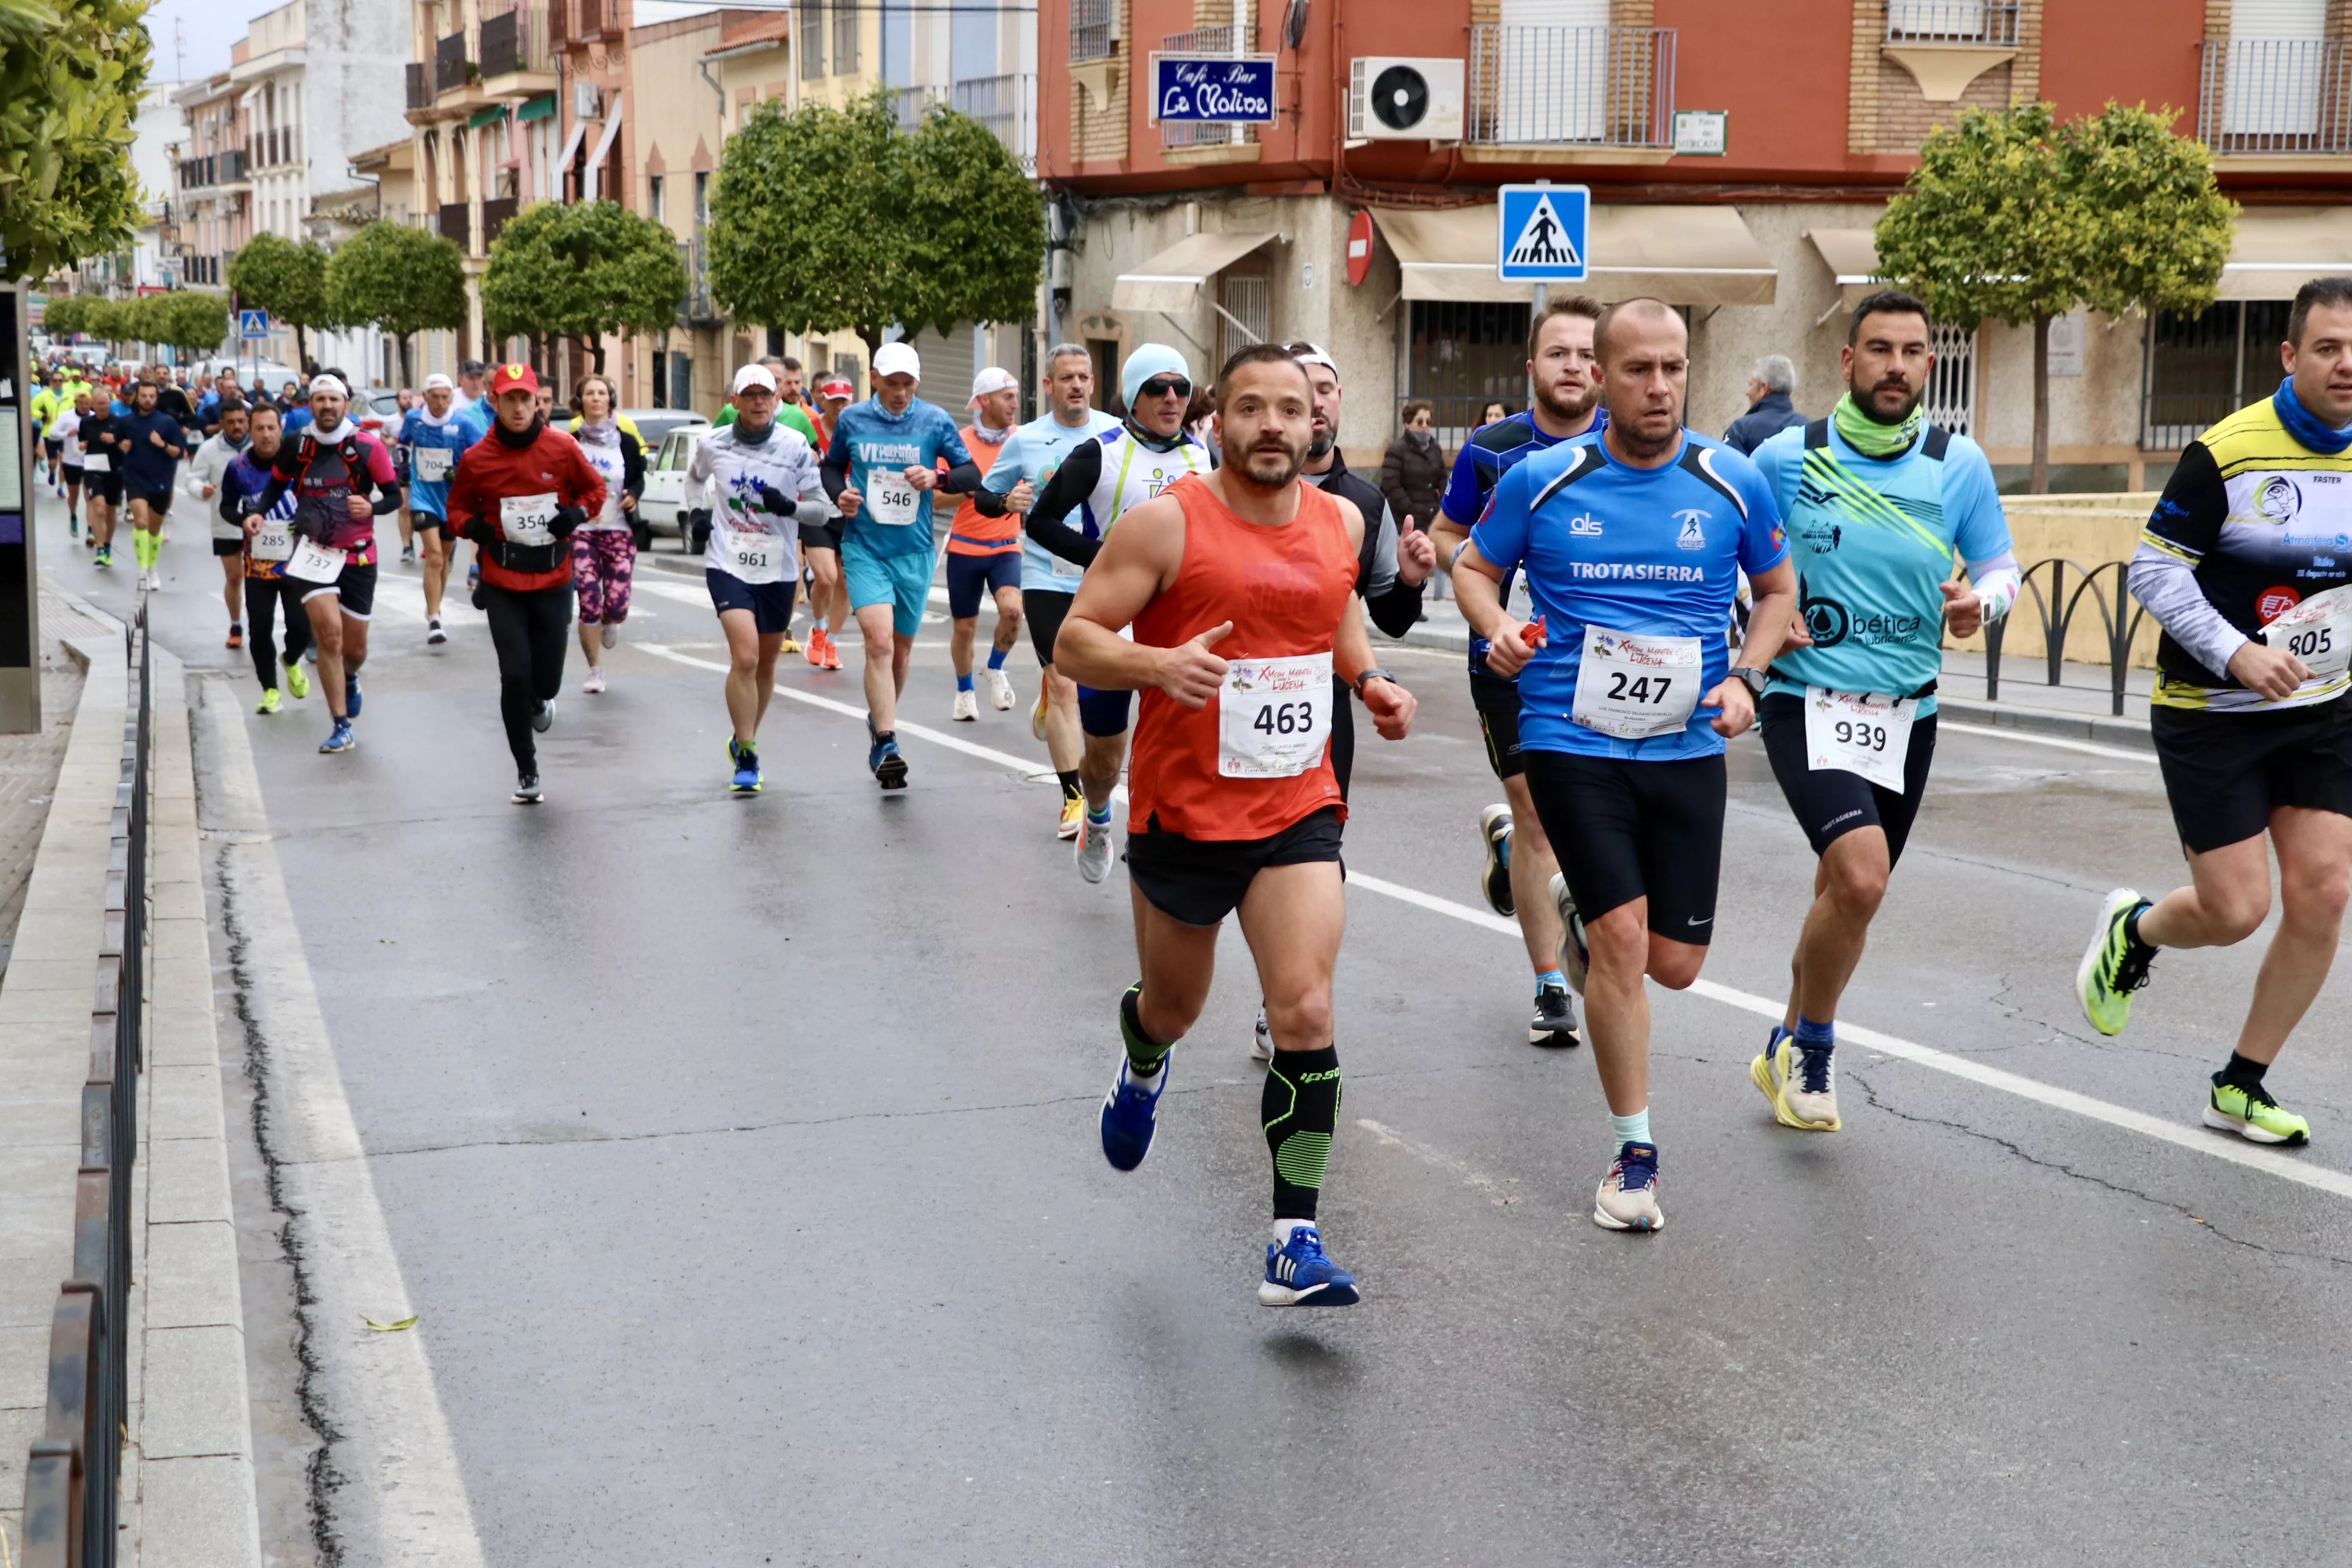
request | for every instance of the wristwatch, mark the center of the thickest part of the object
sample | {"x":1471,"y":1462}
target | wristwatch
{"x":1755,"y":678}
{"x":1374,"y":673}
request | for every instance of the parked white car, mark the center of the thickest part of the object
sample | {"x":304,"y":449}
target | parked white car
{"x":662,"y":505}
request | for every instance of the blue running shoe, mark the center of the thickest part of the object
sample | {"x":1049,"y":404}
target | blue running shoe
{"x":1128,"y":1116}
{"x":746,"y":768}
{"x":341,"y":738}
{"x":352,"y":696}
{"x":1298,"y":1275}
{"x":888,"y":767}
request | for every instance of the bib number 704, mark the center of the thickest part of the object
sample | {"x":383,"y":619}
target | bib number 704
{"x":1284,"y":718}
{"x":1624,"y":688}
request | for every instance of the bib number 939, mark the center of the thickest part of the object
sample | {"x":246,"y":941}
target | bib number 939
{"x":1867,"y":737}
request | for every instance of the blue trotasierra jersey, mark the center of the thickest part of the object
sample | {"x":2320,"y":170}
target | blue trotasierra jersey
{"x":1492,"y":451}
{"x":1034,"y":453}
{"x":1872,"y":539}
{"x":873,"y":438}
{"x":1652,"y":552}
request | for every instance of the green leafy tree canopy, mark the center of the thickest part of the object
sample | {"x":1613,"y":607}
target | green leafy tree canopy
{"x":2019,"y":218}
{"x":189,"y":319}
{"x":70,"y":75}
{"x":585,"y":270}
{"x":272,"y":273}
{"x":399,"y":279}
{"x":946,"y":226}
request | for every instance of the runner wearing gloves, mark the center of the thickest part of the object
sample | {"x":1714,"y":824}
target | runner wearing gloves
{"x":519,"y":495}
{"x":268,"y":543}
{"x":605,"y":548}
{"x":747,"y":482}
{"x":203,"y":482}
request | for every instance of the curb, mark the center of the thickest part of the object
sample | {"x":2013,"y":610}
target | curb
{"x":2103,"y":728}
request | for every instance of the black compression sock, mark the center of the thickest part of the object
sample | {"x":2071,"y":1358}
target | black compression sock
{"x":1071,"y":788}
{"x":2242,"y":1072}
{"x":1145,"y":1056}
{"x":1300,"y":1108}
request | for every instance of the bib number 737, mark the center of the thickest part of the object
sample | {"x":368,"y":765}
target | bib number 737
{"x":1273,"y":716}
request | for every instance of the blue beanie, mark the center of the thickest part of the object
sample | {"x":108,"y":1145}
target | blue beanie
{"x":1147,"y":360}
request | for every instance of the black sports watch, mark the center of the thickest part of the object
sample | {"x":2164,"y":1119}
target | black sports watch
{"x":1754,"y":678}
{"x":1374,"y":673}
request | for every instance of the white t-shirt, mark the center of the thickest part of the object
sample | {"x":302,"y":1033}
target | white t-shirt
{"x":726,"y":475}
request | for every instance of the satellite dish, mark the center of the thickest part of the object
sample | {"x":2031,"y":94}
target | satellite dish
{"x":1294,"y":22}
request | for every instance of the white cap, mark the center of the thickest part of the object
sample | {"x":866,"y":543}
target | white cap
{"x":1315,"y":355}
{"x":992,"y":379}
{"x":897,"y":358}
{"x":442,"y":382}
{"x":752,"y":375}
{"x":328,"y":383}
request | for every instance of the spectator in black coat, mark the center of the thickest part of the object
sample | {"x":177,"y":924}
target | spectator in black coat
{"x":1770,"y":409}
{"x":1413,"y":468}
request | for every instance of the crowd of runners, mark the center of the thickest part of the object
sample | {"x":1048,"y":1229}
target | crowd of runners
{"x":1200,"y":600}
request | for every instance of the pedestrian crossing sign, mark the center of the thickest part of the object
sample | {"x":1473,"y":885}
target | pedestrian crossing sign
{"x":253,"y":324}
{"x":1541,"y":232}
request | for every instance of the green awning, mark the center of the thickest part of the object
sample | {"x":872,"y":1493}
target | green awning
{"x":536,"y":108}
{"x":482,"y":117}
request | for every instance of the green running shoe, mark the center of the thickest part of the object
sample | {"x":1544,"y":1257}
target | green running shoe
{"x":2113,"y":967}
{"x":2254,"y":1116}
{"x":297,"y":681}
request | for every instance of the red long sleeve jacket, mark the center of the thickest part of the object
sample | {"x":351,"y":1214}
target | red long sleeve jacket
{"x":503,"y":467}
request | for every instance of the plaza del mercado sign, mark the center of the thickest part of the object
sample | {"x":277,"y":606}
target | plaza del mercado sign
{"x":1212,"y":91}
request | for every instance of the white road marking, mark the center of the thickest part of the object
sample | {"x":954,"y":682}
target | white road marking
{"x":402,"y":1500}
{"x":2002,"y":732}
{"x":1442,"y":1160}
{"x":2196,"y":1141}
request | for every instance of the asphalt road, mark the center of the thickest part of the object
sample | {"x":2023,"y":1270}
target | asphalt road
{"x":739,"y":1158}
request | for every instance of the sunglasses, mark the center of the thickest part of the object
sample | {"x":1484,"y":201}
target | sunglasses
{"x":1161,"y":387}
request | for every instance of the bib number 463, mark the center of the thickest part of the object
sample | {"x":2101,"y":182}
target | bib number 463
{"x":1285,"y":718}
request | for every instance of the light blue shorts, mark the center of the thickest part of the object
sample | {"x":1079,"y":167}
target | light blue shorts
{"x":903,"y":582}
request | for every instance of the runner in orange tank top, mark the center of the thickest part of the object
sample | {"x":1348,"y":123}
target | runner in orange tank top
{"x":1240,"y":588}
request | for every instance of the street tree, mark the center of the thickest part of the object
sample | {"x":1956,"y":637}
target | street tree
{"x":188,"y":320}
{"x":288,"y":281}
{"x":66,"y":315}
{"x":946,"y":227}
{"x":2018,"y":218}
{"x":70,"y":75}
{"x":399,"y":279}
{"x":583,"y":270}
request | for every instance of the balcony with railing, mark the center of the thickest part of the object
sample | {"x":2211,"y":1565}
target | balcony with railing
{"x":458,"y":228}
{"x":1590,"y":87}
{"x":268,"y":148}
{"x":696,"y":309}
{"x":223,"y":168}
{"x":910,"y":102}
{"x":449,"y":63}
{"x":518,"y":52}
{"x":1207,"y":42}
{"x":1094,"y":29}
{"x":1007,"y":105}
{"x":2275,"y":96}
{"x":496,"y":214}
{"x":1985,"y":23}
{"x":420,"y":85}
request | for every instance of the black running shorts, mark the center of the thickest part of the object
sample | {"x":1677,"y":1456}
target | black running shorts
{"x":2225,"y":773}
{"x":821,"y":533}
{"x":1626,"y":830}
{"x":1498,"y":702}
{"x":353,"y":587}
{"x":1045,"y":608}
{"x":1830,"y":803}
{"x":1199,"y":881}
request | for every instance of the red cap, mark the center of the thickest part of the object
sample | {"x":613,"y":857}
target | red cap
{"x":509,"y":376}
{"x":834,"y":386}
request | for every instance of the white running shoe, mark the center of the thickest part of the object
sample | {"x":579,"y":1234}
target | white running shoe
{"x":1261,"y":1039}
{"x":967,"y":708}
{"x":611,"y":635}
{"x":1094,"y":849}
{"x":1000,"y":690}
{"x":433,"y":632}
{"x":594,"y":683}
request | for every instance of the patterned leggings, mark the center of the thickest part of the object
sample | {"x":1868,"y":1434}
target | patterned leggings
{"x":602,"y":561}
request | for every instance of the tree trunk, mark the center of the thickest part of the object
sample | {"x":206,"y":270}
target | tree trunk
{"x":594,"y":344}
{"x":302,"y":349}
{"x":406,"y":379}
{"x":2040,"y":483}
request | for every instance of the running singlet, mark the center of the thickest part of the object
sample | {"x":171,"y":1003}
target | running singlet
{"x":1034,"y":453}
{"x":2258,"y":524}
{"x":66,"y":431}
{"x":434,"y":446}
{"x":893,"y":518}
{"x":269,"y":546}
{"x":969,"y":533}
{"x":1256,"y":759}
{"x":1872,"y":541}
{"x":323,"y":479}
{"x":1132,"y":473}
{"x":1640,"y":565}
{"x":748,"y":541}
{"x":1492,"y":451}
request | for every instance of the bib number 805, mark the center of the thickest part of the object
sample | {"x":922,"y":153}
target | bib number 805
{"x":1624,"y":688}
{"x":2318,"y":639}
{"x":1285,"y":718}
{"x":1869,"y":737}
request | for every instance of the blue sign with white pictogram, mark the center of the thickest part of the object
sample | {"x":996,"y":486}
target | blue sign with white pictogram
{"x":1540,"y":233}
{"x":1192,"y":90}
{"x":253,"y":324}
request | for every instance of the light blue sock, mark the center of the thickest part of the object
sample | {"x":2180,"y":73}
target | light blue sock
{"x":1551,"y":977}
{"x":963,"y":683}
{"x":996,"y":659}
{"x":818,"y":623}
{"x":1634,"y":1128}
{"x":1815,"y":1036}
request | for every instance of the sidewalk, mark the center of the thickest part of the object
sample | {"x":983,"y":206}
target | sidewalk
{"x":2078,"y":708}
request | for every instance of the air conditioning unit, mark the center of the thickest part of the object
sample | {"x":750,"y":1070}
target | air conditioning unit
{"x":587,"y":103}
{"x":1395,"y":98}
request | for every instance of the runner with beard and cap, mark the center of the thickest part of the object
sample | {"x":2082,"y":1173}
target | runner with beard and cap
{"x":1520,"y":864}
{"x":1239,"y":589}
{"x":1102,"y":479}
{"x":1876,"y":502}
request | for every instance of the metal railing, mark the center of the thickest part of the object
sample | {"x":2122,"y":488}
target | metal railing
{"x":1215,"y":43}
{"x":457,"y":226}
{"x":2274,"y":95}
{"x":496,"y":214}
{"x":420,"y":85}
{"x":517,"y":41}
{"x":72,"y":1480}
{"x":1007,"y":105}
{"x":1600,"y":87}
{"x":1094,"y":29}
{"x":2109,"y":590}
{"x":1993,"y":23}
{"x":695,"y":309}
{"x":910,"y":102}
{"x":449,"y":62}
